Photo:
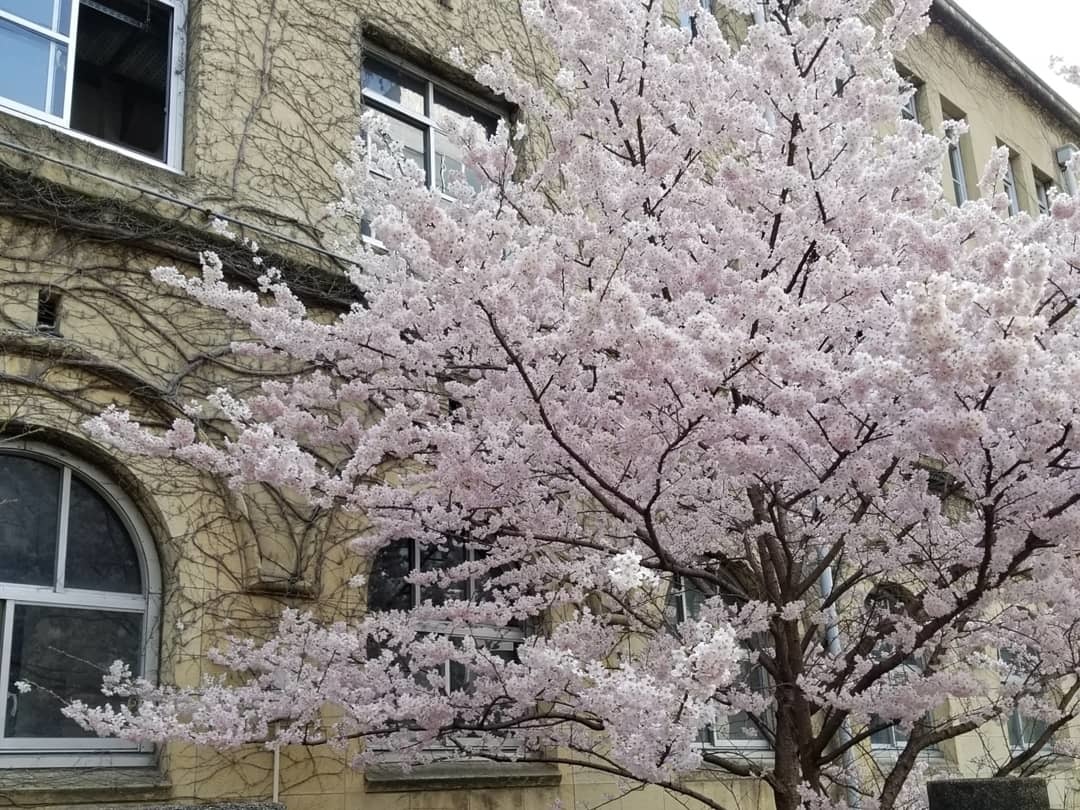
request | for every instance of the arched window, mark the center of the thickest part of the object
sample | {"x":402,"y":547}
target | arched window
{"x":739,"y":730}
{"x":388,"y":590}
{"x":79,"y":589}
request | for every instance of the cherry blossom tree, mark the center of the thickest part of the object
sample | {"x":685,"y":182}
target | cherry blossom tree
{"x":746,"y":441}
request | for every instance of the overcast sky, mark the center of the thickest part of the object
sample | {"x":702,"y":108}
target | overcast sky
{"x":1034,"y":30}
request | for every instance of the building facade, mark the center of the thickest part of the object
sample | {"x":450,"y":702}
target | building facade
{"x":127,"y":127}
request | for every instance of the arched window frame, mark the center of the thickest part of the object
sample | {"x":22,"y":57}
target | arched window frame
{"x":25,"y":752}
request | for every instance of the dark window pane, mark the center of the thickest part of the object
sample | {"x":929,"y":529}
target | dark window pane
{"x":739,"y":725}
{"x":29,"y":509}
{"x":387,"y":588}
{"x":100,"y":553}
{"x":392,"y":84}
{"x":65,"y":654}
{"x":436,"y":558}
{"x":1024,"y":730}
{"x":122,"y":67}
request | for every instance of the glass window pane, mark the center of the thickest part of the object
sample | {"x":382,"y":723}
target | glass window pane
{"x":387,"y":588}
{"x":26,"y":60}
{"x":883,"y":737}
{"x":100,"y":553}
{"x":65,"y":654}
{"x":391,"y":83}
{"x":29,"y":511}
{"x":434,"y":558}
{"x":739,"y":725}
{"x":449,"y":159}
{"x":451,"y":107}
{"x":411,"y":138}
{"x":46,"y":13}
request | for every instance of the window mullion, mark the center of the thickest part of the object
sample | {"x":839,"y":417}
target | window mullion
{"x":69,"y":76}
{"x":429,"y":136}
{"x":62,"y":530}
{"x":34,"y":28}
{"x":7,"y":614}
{"x":414,"y":565}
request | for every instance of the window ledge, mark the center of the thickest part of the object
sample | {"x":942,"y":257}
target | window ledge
{"x":82,"y":785}
{"x":461,"y":776}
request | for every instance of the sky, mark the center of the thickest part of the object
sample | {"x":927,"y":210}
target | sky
{"x":1034,"y":30}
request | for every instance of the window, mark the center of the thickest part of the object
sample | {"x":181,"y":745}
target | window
{"x":1043,"y":187}
{"x":1009,"y":184}
{"x":48,"y":311}
{"x":909,"y":83}
{"x":688,"y":20}
{"x":388,"y":590}
{"x":738,"y":730}
{"x":108,"y":69}
{"x":885,"y":604}
{"x":79,"y":590}
{"x":959,"y":147}
{"x":1021,"y":730}
{"x":410,"y":104}
{"x":956,"y":170}
{"x":910,"y":110}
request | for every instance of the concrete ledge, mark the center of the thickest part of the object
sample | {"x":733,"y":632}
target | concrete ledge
{"x":461,"y":776}
{"x":63,"y":786}
{"x":144,"y":806}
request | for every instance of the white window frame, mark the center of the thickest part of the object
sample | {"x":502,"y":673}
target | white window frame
{"x":1043,"y":186}
{"x":715,"y":742}
{"x":893,"y":745}
{"x":423,"y":122}
{"x":483,"y":633}
{"x":956,"y":169}
{"x":174,"y":125}
{"x":22,"y":752}
{"x":1015,"y":715}
{"x":687,"y":19}
{"x":910,"y":110}
{"x":1008,"y":181}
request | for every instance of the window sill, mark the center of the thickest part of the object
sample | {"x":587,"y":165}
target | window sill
{"x":891,"y":754}
{"x":461,"y":776}
{"x":39,"y":786}
{"x":99,"y":143}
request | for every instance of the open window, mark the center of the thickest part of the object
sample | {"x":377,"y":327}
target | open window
{"x":107,"y":69}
